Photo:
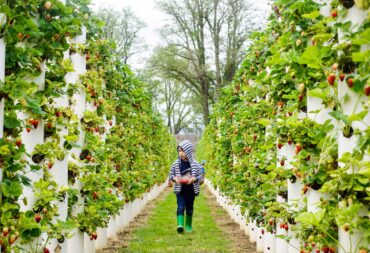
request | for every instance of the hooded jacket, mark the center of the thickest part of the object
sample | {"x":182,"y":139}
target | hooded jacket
{"x":188,"y":148}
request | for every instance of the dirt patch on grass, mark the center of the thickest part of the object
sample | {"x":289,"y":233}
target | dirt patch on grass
{"x":238,"y":240}
{"x":121,"y":241}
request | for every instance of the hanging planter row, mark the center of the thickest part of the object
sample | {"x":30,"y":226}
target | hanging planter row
{"x":289,"y":140}
{"x":81,"y":150}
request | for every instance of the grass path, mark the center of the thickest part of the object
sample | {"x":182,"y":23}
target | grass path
{"x":155,"y":230}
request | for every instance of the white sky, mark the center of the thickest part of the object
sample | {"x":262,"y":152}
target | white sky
{"x":154,"y":19}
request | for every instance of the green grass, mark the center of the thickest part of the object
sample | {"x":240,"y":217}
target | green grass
{"x":159,"y":234}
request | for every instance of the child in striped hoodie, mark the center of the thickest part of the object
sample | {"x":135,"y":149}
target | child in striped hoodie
{"x":185,"y":172}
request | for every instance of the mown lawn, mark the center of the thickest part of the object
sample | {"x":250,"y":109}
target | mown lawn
{"x":159,"y":234}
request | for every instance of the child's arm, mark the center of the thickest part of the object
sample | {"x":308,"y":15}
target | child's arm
{"x":172,"y":174}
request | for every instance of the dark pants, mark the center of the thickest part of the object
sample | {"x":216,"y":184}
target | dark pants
{"x":185,"y":201}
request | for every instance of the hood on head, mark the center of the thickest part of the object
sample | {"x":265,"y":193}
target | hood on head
{"x":188,"y":148}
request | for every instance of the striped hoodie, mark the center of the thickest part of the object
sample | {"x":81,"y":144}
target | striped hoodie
{"x":188,"y":148}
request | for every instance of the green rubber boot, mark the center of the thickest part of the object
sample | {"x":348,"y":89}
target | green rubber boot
{"x":188,"y":223}
{"x":180,"y":223}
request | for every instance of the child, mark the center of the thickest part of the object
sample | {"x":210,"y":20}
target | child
{"x":186,"y":174}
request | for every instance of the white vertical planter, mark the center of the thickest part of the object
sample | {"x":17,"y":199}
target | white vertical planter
{"x":293,"y":243}
{"x":295,"y":199}
{"x":89,"y":245}
{"x":260,"y":239}
{"x":253,"y":232}
{"x":102,"y":240}
{"x":314,"y":199}
{"x":76,"y":243}
{"x":281,"y":244}
{"x":1,"y":117}
{"x":112,"y":228}
{"x":348,"y":241}
{"x":270,"y":243}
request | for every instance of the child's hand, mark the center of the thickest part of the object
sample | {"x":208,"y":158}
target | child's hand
{"x":176,"y":180}
{"x":191,"y":180}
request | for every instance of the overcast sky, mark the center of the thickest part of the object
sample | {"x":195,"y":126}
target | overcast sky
{"x":154,"y":19}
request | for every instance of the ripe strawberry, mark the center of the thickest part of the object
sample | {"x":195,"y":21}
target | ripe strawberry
{"x":47,"y":5}
{"x":110,"y":122}
{"x":28,"y":129}
{"x":18,"y":142}
{"x":94,"y":235}
{"x":290,"y":141}
{"x":88,"y":157}
{"x":342,"y":76}
{"x":279,"y":145}
{"x":282,"y":162}
{"x":5,"y":231}
{"x":300,"y":97}
{"x":35,"y":123}
{"x":305,"y":189}
{"x":317,"y":251}
{"x":350,"y":82}
{"x":254,"y":137}
{"x":46,"y":250}
{"x":325,"y":249}
{"x":280,"y":104}
{"x":58,"y":114}
{"x":298,"y":148}
{"x":110,"y":190}
{"x":95,"y":195}
{"x":50,"y":165}
{"x":334,"y":13}
{"x":37,"y":218}
{"x":271,"y":221}
{"x":332,"y":250}
{"x":49,"y":125}
{"x":262,"y":231}
{"x":367,"y":90}
{"x":331,"y":79}
{"x":286,"y":227}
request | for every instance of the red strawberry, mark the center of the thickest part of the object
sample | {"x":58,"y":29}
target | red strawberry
{"x":28,"y":129}
{"x":325,"y":249}
{"x":280,"y":104}
{"x":50,"y":164}
{"x":282,"y":162}
{"x":88,"y":157}
{"x":342,"y":76}
{"x":110,"y":122}
{"x":18,"y":142}
{"x":298,"y":148}
{"x":279,"y":145}
{"x":94,"y":235}
{"x":334,"y":13}
{"x":350,"y":82}
{"x":300,"y":97}
{"x":46,"y":250}
{"x":367,"y":90}
{"x":332,"y":250}
{"x":5,"y":231}
{"x":305,"y":189}
{"x":49,"y":125}
{"x":331,"y":79}
{"x":255,"y":137}
{"x":58,"y":114}
{"x":20,"y":36}
{"x":37,"y":218}
{"x":95,"y":195}
{"x":271,"y":221}
{"x":262,"y":231}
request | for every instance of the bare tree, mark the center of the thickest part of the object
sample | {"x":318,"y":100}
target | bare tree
{"x":123,"y":28}
{"x":203,"y":34}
